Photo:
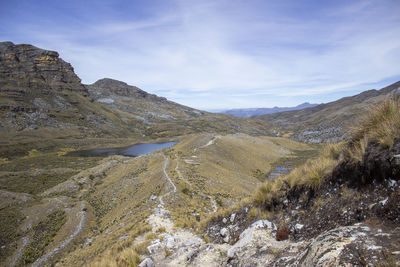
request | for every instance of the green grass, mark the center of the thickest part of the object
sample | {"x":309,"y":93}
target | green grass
{"x":36,"y":173}
{"x":43,"y":235}
{"x":10,"y":219}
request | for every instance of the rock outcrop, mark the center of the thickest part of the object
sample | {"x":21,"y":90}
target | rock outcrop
{"x":26,"y":69}
{"x":108,"y":87}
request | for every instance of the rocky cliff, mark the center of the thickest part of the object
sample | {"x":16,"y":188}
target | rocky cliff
{"x":27,"y":71}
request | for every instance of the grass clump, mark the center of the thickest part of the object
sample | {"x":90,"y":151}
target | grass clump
{"x":151,"y":236}
{"x":253,"y":212}
{"x":3,"y":160}
{"x":382,"y":125}
{"x":310,"y":175}
{"x":161,"y":230}
{"x":64,"y":150}
{"x":127,"y":258}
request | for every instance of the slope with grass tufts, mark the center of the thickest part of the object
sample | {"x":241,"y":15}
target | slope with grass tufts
{"x":350,"y":191}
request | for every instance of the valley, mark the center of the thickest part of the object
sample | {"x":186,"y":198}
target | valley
{"x":312,"y":187}
{"x":188,"y":182}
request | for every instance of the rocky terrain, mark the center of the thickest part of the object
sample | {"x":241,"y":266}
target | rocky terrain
{"x":330,"y":122}
{"x":122,"y":203}
{"x":229,"y":193}
{"x":41,"y":94}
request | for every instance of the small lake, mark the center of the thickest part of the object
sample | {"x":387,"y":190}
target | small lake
{"x":281,"y":170}
{"x":129,"y":151}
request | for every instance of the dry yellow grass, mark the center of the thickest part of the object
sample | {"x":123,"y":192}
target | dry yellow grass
{"x":382,"y":126}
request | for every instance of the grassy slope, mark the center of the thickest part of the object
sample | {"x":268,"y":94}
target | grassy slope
{"x":340,"y":113}
{"x":118,"y":189}
{"x":381,"y":126}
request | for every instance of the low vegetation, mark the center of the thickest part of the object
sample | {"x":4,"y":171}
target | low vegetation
{"x":381,"y":126}
{"x":43,"y":235}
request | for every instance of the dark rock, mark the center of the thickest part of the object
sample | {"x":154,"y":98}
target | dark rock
{"x":26,"y":69}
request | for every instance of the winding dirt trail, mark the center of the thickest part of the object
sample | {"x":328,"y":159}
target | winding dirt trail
{"x":166,"y":176}
{"x":211,"y":142}
{"x":81,"y":216}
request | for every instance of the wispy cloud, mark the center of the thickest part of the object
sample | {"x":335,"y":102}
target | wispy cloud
{"x":211,"y":54}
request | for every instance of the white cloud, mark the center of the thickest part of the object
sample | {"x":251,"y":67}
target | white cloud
{"x":233,"y":50}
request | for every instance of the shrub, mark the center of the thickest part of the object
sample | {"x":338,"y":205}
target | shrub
{"x":282,"y":233}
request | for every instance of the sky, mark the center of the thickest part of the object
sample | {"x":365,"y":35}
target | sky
{"x":219,"y":54}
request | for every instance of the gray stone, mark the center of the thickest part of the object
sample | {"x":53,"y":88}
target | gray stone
{"x":232,"y":219}
{"x":226,"y":239}
{"x":298,"y":226}
{"x":123,"y":237}
{"x":224,"y":231}
{"x":147,"y":263}
{"x":170,"y":241}
{"x":231,"y":252}
{"x":153,"y":248}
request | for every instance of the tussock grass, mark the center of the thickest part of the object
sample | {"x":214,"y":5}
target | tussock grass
{"x":381,"y":126}
{"x":129,"y":257}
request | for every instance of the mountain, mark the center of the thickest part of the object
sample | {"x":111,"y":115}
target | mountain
{"x":224,"y":195}
{"x":328,"y":122}
{"x":157,"y":117}
{"x":249,"y":112}
{"x":40,"y":95}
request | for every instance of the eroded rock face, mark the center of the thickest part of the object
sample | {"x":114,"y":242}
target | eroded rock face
{"x":108,"y":87}
{"x":26,"y":69}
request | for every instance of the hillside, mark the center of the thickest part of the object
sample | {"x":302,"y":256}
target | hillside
{"x":337,"y":210}
{"x":40,"y":95}
{"x":329,"y":122}
{"x":249,"y":112}
{"x":75,"y":210}
{"x":156,"y":117}
{"x":227,"y":193}
{"x":111,"y":204}
{"x":340,"y":209}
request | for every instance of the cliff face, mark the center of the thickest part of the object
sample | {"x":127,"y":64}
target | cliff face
{"x":26,"y":71}
{"x":40,"y":90}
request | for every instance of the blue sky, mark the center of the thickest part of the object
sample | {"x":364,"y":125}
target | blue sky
{"x":220,"y":54}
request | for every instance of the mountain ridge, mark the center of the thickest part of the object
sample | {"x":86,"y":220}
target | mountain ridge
{"x":328,"y":122}
{"x":40,"y":94}
{"x":249,"y":112}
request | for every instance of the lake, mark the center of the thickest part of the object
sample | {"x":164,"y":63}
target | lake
{"x":129,"y":151}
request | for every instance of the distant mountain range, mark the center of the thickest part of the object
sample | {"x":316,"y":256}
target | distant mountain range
{"x":40,"y":95}
{"x":249,"y":112}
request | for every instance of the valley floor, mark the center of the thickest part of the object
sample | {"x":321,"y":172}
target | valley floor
{"x":112,"y":204}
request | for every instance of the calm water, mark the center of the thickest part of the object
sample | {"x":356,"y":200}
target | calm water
{"x":281,"y":170}
{"x":129,"y":151}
